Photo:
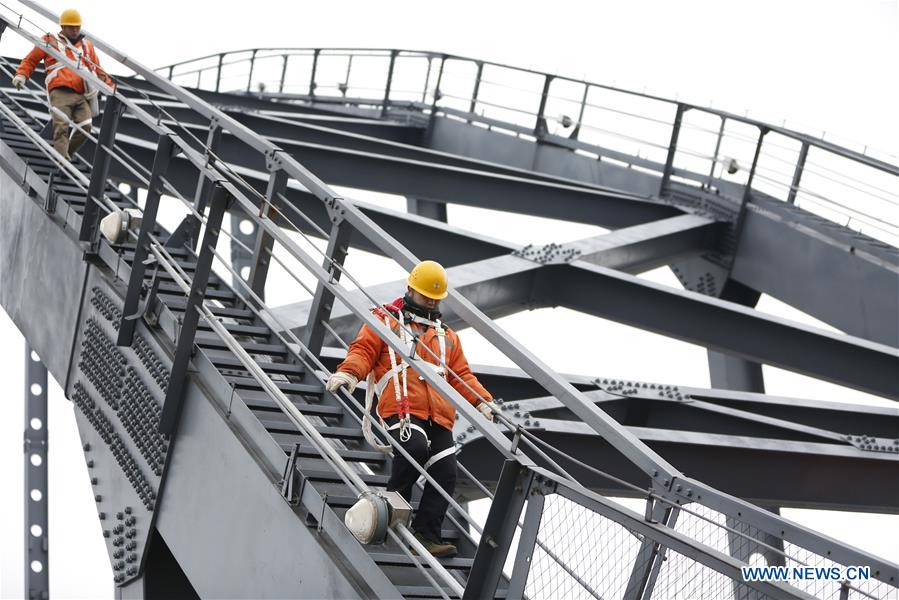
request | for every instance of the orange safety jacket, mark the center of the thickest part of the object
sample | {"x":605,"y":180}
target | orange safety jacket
{"x":59,"y":75}
{"x":369,"y":353}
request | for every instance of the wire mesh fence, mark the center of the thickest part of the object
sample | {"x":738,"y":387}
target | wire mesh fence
{"x":584,"y":554}
{"x":756,"y":548}
{"x":580,"y":553}
{"x":682,"y":578}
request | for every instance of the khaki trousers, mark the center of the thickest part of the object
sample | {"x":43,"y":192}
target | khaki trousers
{"x":75,"y":107}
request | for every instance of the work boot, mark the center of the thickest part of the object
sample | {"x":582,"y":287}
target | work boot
{"x":438,"y":549}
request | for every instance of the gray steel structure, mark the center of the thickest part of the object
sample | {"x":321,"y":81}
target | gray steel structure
{"x":202,"y":410}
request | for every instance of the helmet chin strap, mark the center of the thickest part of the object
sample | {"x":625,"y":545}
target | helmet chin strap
{"x":418,"y":309}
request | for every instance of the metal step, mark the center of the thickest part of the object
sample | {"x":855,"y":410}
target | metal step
{"x":231,"y":362}
{"x":332,"y":477}
{"x":267,"y":409}
{"x":288,"y":387}
{"x":285,"y":427}
{"x":180,"y":304}
{"x":238,"y":329}
{"x":216,"y":343}
{"x":170,"y":289}
{"x":411,"y":592}
{"x":401,"y":560}
{"x":367,"y":456}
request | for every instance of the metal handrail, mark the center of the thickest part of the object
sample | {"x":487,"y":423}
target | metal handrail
{"x":705,"y":181}
{"x":796,"y":135}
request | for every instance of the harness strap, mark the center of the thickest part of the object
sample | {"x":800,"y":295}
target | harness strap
{"x":72,"y":51}
{"x":439,"y":456}
{"x":418,"y":428}
{"x":385,"y":378}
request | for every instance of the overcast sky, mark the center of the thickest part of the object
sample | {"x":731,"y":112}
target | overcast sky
{"x":825,"y":66}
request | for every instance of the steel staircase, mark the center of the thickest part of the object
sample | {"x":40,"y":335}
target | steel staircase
{"x":143,"y":426}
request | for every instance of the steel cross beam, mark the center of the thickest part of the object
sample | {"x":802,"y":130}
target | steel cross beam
{"x":695,"y":318}
{"x":727,"y":327}
{"x":716,"y":434}
{"x":617,"y":296}
{"x":771,"y":228}
{"x":437,"y":176}
{"x":508,"y":284}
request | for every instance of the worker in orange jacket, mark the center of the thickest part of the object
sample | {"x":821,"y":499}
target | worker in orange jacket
{"x":414,"y":413}
{"x":64,"y":86}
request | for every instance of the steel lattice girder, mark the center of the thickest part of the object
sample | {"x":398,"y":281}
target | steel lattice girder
{"x":681,"y":314}
{"x":507,"y":284}
{"x":688,"y":316}
{"x":691,"y":317}
{"x":476,"y":184}
{"x":843,"y":453}
{"x":865,"y":307}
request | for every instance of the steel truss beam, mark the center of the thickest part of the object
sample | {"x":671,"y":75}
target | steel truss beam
{"x":508,"y":284}
{"x":710,"y":322}
{"x":727,"y":327}
{"x":772,"y":229}
{"x":684,"y":315}
{"x":717,"y":435}
{"x":473,"y":183}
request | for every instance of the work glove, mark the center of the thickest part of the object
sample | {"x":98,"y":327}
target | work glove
{"x":19,"y":81}
{"x":341,"y":379}
{"x":486,"y":410}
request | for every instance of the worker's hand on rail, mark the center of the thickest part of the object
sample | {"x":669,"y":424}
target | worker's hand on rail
{"x":486,"y":409}
{"x":341,"y":379}
{"x":19,"y":81}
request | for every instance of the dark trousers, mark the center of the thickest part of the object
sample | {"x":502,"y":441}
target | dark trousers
{"x":432,"y":508}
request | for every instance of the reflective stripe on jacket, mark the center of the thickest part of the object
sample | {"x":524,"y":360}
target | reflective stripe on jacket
{"x":57,"y":74}
{"x":368,"y":352}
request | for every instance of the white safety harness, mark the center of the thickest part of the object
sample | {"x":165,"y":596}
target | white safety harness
{"x":398,"y":370}
{"x":76,"y":53}
{"x":73,"y":51}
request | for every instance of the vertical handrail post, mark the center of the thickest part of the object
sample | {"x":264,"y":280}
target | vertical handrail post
{"x":477,"y":88}
{"x":205,"y":186}
{"x":218,"y":73}
{"x":164,"y":150}
{"x":283,"y":75}
{"x":387,"y":87}
{"x":338,"y":246}
{"x":526,"y":545}
{"x":424,"y":91}
{"x":747,"y":195}
{"x":89,"y":232}
{"x":540,"y":128}
{"x":262,"y":252}
{"x":512,"y":489}
{"x":580,"y":116}
{"x":717,"y":150}
{"x":672,"y":148}
{"x":174,"y":393}
{"x":252,"y":66}
{"x":315,"y":54}
{"x":797,"y":173}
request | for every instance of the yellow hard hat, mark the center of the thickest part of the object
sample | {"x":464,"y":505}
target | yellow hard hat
{"x":70,"y":16}
{"x":429,"y":279}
